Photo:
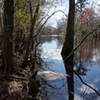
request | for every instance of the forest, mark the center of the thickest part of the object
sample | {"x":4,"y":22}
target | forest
{"x":49,"y":50}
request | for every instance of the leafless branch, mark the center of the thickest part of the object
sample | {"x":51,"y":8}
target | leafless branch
{"x":86,"y":83}
{"x":89,"y":33}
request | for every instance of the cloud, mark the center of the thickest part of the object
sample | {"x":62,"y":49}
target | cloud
{"x":77,"y":97}
{"x":96,"y":1}
{"x":57,"y":16}
{"x":86,"y":89}
{"x":52,"y":53}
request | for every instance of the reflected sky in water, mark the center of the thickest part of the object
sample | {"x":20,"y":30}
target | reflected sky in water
{"x":51,"y":54}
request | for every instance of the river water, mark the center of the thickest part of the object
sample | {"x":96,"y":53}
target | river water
{"x":88,"y":67}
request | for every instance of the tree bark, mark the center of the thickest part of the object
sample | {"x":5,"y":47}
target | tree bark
{"x":32,"y":28}
{"x":8,"y":21}
{"x":68,"y":46}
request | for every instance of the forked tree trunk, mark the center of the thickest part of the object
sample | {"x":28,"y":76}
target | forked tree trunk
{"x":68,"y":47}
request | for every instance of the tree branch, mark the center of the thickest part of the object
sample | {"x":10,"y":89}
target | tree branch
{"x":86,"y":83}
{"x":89,"y":33}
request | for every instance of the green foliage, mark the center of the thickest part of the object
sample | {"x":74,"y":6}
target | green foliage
{"x":21,"y":19}
{"x":22,"y":16}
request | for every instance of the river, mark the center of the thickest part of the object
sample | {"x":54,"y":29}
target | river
{"x":88,"y":67}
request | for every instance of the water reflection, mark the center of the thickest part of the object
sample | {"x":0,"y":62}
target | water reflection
{"x":87,"y":64}
{"x":50,"y":38}
{"x":70,"y":80}
{"x":56,"y":90}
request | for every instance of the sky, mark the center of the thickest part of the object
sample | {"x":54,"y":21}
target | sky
{"x":64,"y":7}
{"x":61,"y":6}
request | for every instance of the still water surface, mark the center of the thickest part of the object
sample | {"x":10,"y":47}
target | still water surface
{"x":88,"y":66}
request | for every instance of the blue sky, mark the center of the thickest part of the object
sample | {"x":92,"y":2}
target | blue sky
{"x":64,"y":7}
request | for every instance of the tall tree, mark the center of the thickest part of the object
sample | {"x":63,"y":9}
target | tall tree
{"x":8,"y":35}
{"x":33,"y":20}
{"x":68,"y":47}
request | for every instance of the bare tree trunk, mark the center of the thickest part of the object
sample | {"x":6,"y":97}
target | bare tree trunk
{"x":32,"y":28}
{"x":8,"y":35}
{"x":68,"y":46}
{"x":1,"y":23}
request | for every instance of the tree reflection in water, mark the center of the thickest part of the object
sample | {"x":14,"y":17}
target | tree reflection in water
{"x":87,"y":65}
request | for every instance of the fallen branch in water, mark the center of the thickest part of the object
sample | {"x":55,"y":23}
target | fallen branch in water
{"x":50,"y":75}
{"x":66,"y":75}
